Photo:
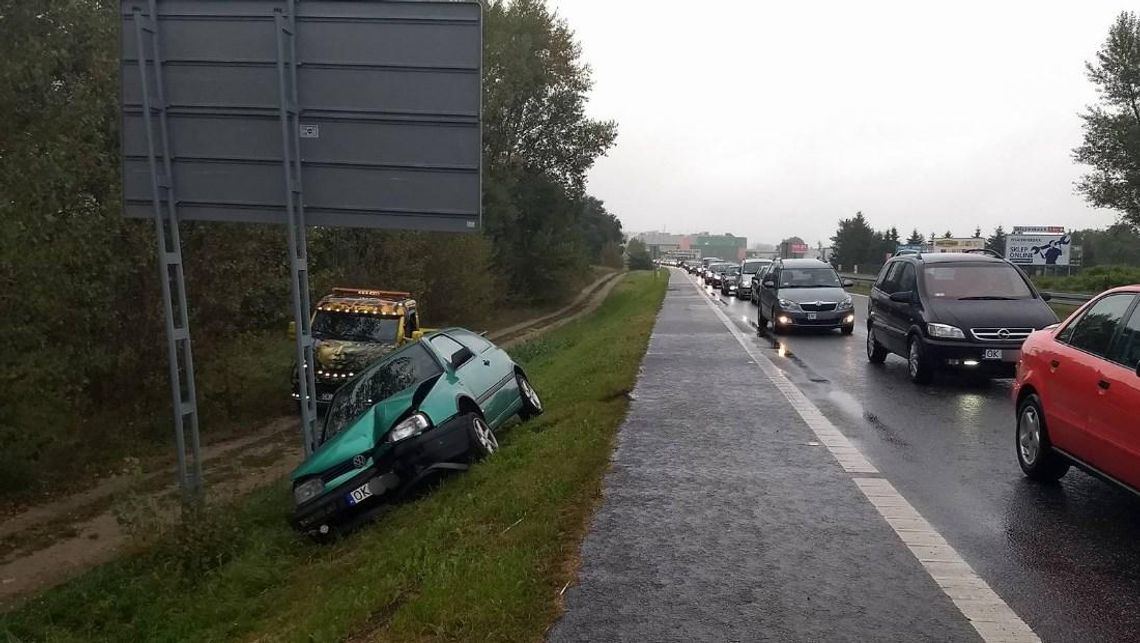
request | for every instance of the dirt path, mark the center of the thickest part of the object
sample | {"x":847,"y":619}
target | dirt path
{"x":48,"y":544}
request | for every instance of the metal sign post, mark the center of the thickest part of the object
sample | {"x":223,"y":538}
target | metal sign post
{"x":179,"y":352}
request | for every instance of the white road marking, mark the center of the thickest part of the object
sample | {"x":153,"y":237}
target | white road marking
{"x":990,"y":616}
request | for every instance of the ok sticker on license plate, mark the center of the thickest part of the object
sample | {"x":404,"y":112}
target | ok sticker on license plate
{"x":356,"y":496}
{"x":992,"y":353}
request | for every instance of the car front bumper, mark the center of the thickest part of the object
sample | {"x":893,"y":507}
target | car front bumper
{"x":822,"y":319}
{"x":971,"y":356}
{"x":396,"y":470}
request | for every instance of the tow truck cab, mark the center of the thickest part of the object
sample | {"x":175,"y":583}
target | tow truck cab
{"x":353,"y":327}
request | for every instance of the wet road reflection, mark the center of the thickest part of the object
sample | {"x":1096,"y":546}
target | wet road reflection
{"x":1064,"y":555}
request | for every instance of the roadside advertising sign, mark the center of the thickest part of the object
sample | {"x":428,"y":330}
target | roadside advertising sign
{"x":1039,"y":249}
{"x":958,"y":244}
{"x":1038,"y":229}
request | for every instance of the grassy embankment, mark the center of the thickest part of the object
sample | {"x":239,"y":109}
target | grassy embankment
{"x":483,"y":557}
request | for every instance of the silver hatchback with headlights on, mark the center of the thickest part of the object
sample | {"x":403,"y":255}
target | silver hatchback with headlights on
{"x":804,"y":293}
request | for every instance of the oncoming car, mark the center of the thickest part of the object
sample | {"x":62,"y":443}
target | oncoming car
{"x":430,"y":406}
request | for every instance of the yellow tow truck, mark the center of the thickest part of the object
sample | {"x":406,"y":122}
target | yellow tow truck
{"x":353,"y":327}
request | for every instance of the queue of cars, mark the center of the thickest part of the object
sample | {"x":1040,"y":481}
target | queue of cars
{"x":1076,"y":389}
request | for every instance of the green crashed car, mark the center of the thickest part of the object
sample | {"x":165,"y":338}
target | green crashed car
{"x":432,"y":405}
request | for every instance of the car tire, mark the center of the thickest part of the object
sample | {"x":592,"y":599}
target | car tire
{"x":761,"y":321}
{"x":848,"y":329}
{"x":776,"y":328}
{"x":482,"y":439}
{"x":531,"y":403}
{"x":918,"y":364}
{"x":876,"y":353}
{"x":1034,"y":450}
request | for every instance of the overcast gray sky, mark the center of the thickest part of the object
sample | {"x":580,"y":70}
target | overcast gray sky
{"x":771,"y":119}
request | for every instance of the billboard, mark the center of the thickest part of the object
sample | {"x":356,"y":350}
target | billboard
{"x":379,"y":101}
{"x":958,"y":245}
{"x":1038,"y":229}
{"x":1038,"y":249}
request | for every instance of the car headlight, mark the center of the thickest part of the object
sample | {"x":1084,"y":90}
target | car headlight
{"x":788,"y":305}
{"x":308,"y":490}
{"x":846,"y":304}
{"x":412,"y":426}
{"x":945,"y":331}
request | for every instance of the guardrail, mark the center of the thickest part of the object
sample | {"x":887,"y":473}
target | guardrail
{"x":1063,"y":298}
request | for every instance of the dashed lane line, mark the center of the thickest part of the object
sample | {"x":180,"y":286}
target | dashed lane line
{"x":990,"y":616}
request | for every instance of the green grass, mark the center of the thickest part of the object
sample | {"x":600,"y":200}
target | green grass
{"x":481,"y":558}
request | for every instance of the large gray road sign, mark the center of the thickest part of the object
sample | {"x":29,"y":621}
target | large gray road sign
{"x":388,"y":101}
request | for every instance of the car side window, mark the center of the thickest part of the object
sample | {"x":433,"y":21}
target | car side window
{"x":1126,"y":349}
{"x":1094,"y":331}
{"x":908,"y":281}
{"x":889,"y":279}
{"x":446,"y":347}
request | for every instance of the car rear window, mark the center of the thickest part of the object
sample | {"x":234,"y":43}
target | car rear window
{"x":975,"y":281}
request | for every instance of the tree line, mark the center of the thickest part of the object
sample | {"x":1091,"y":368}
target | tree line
{"x":79,"y":291}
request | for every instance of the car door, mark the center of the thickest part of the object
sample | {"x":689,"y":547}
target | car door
{"x":473,"y":372}
{"x":768,"y":295}
{"x":1112,"y":418}
{"x":881,"y":307}
{"x":503,"y":394}
{"x":1072,"y":383}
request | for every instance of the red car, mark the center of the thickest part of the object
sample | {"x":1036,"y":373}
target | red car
{"x":1078,"y":392}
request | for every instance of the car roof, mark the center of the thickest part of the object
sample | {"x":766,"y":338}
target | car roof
{"x":804,"y":263}
{"x":950,"y":257}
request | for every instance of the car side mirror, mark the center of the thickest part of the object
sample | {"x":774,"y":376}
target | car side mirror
{"x":903,"y":297}
{"x":769,"y":284}
{"x":1046,"y":297}
{"x":847,"y":283}
{"x":292,"y":330}
{"x":461,"y":356}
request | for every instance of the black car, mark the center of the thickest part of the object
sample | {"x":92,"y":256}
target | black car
{"x":964,"y":311}
{"x":716,"y":274}
{"x":729,"y":280}
{"x":804,"y":293}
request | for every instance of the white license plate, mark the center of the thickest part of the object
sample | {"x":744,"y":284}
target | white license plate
{"x":357,"y":496}
{"x":812,"y":315}
{"x":325,"y":397}
{"x":992,"y":353}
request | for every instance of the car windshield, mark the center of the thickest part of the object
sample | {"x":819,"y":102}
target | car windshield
{"x":399,"y":372}
{"x":753,"y":267}
{"x":355,"y":327}
{"x":809,"y":278}
{"x":993,"y":281}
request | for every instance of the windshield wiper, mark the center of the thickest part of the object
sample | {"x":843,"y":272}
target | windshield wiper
{"x":987,"y":298}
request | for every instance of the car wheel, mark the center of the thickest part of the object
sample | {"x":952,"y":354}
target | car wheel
{"x":531,"y":404}
{"x":876,"y":354}
{"x":1035,"y":452}
{"x":850,"y":328}
{"x":482,"y":438}
{"x":917,"y":363}
{"x":776,"y":327}
{"x":761,"y":321}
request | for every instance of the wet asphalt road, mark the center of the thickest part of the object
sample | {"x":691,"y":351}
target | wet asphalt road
{"x":718,"y":523}
{"x":1065,"y":557}
{"x":723,"y":519}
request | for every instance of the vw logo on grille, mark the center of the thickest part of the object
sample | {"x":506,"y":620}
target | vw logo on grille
{"x":359,"y":461}
{"x":1003,"y":333}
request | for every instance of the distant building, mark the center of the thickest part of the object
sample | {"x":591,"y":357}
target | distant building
{"x":723,"y":246}
{"x":659,"y":244}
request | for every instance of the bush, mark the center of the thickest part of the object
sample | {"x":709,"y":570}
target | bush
{"x":1091,"y":280}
